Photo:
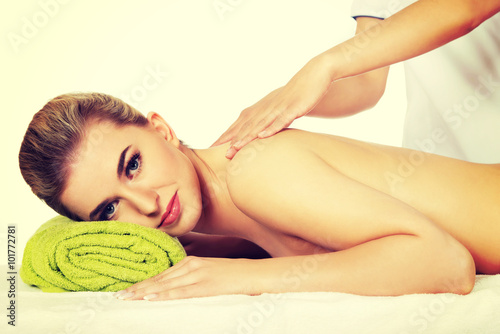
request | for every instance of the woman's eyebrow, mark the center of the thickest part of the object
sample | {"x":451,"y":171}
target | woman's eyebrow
{"x":122,"y":161}
{"x":119,"y":171}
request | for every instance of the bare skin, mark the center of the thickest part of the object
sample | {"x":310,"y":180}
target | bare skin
{"x":449,"y":192}
{"x":305,"y":198}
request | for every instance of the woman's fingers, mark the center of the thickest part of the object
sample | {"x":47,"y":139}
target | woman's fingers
{"x":191,"y":291}
{"x":168,"y":288}
{"x":170,"y":278}
{"x":192,"y":277}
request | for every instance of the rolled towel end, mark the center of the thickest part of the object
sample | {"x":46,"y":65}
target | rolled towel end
{"x":64,"y":255}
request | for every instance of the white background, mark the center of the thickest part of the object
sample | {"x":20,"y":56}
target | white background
{"x":211,"y":65}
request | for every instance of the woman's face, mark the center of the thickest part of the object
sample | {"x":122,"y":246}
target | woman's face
{"x":134,"y":174}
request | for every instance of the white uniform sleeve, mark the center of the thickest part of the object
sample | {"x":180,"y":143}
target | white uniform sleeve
{"x":381,"y":9}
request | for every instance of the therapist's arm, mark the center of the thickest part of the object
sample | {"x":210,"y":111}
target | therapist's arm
{"x":356,"y":93}
{"x":345,"y":97}
{"x":415,"y":30}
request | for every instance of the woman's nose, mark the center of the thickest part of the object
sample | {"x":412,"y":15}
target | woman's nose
{"x":145,"y":200}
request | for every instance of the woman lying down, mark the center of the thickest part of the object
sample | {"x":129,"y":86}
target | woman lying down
{"x":334,"y":214}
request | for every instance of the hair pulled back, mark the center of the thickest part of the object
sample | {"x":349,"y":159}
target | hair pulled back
{"x":54,"y":135}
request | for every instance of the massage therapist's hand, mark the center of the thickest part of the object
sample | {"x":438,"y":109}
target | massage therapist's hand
{"x":281,"y":107}
{"x":194,"y":277}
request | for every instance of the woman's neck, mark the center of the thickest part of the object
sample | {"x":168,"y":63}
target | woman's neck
{"x":219,"y":212}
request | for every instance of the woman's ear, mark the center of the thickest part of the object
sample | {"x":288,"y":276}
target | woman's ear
{"x":159,"y":124}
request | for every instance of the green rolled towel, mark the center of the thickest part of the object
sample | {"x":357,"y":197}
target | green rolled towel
{"x":64,"y":255}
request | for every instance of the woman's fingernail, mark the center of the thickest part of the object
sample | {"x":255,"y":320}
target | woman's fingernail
{"x":148,"y":297}
{"x":126,"y":295}
{"x":119,"y":293}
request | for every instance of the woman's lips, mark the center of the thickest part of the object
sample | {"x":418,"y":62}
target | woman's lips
{"x":172,"y":211}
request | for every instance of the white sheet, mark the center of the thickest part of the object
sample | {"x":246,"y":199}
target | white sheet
{"x":94,"y":312}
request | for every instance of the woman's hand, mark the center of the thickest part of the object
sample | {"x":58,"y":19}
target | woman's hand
{"x":195,"y":277}
{"x":281,"y":107}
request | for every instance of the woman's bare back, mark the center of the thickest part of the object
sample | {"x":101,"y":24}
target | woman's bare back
{"x":461,"y":197}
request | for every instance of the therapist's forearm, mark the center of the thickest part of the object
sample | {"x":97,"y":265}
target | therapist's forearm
{"x":415,"y":30}
{"x":354,"y":94}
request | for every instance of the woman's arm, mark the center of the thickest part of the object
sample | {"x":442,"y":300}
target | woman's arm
{"x":415,"y":30}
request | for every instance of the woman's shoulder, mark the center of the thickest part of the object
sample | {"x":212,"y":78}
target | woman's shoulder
{"x":294,"y":140}
{"x":286,"y":144}
{"x":266,"y":158}
{"x":294,"y":144}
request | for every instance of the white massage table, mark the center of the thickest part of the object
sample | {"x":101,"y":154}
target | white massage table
{"x":319,"y":312}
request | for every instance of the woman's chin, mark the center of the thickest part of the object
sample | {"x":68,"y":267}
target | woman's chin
{"x":182,"y":226}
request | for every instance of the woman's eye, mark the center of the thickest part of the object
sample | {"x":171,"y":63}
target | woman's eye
{"x":108,"y":211}
{"x":133,"y":165}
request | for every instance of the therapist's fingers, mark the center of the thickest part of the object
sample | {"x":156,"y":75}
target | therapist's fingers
{"x":251,"y":121}
{"x":281,"y":107}
{"x":234,"y":129}
{"x":267,"y":121}
{"x":283,"y":120}
{"x":248,"y":132}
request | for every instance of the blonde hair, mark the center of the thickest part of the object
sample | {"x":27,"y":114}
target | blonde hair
{"x":54,"y":134}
